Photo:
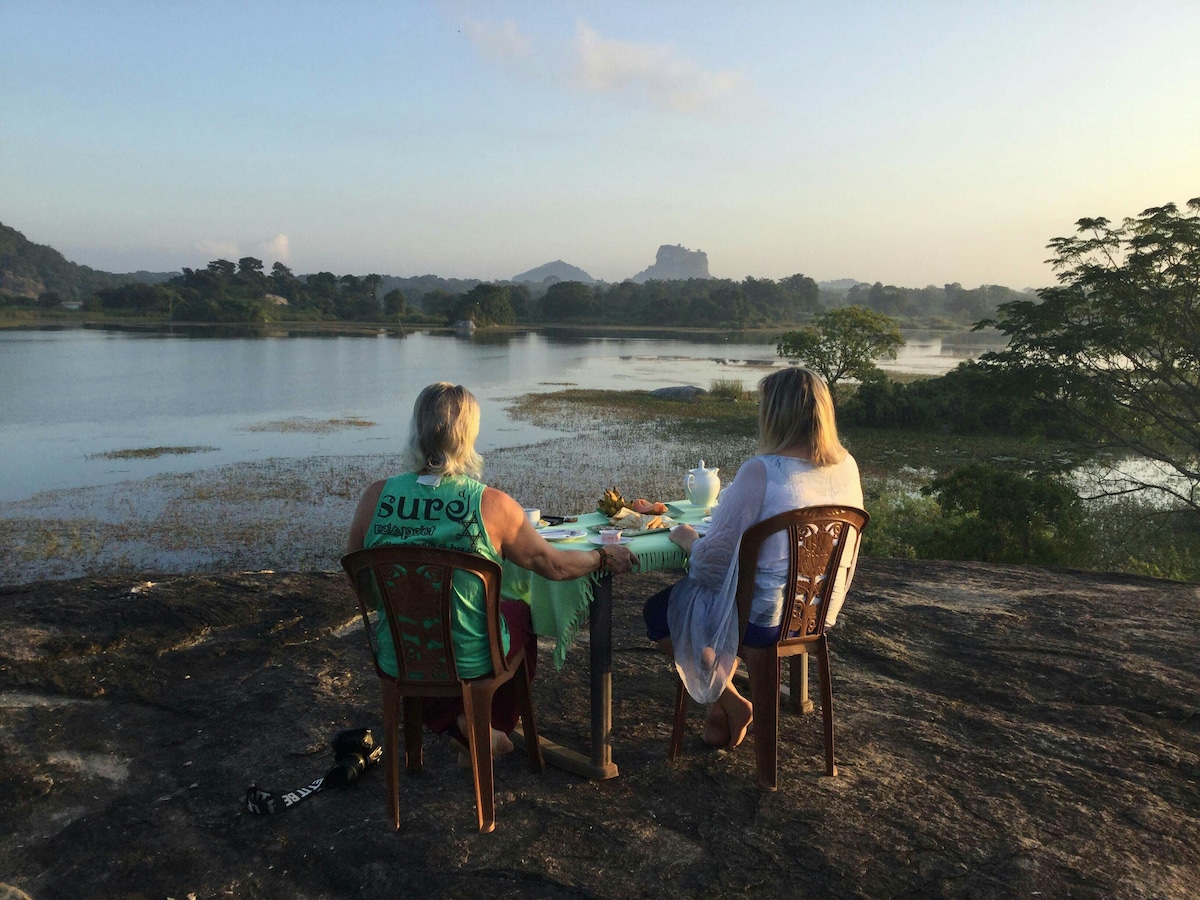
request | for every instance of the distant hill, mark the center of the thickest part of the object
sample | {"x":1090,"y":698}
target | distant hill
{"x":558,"y":271}
{"x":675,"y":263}
{"x":29,"y":270}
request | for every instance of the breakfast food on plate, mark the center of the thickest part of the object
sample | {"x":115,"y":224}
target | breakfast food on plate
{"x":628,"y":520}
{"x":639,"y":515}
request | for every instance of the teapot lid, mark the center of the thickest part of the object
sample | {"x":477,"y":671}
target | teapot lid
{"x":700,"y":468}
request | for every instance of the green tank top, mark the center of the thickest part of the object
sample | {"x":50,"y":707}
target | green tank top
{"x":422,"y":511}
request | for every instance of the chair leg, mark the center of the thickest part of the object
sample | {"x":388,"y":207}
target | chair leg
{"x":762,"y":665}
{"x":413,"y":750}
{"x":477,"y":706}
{"x":533,"y":746}
{"x":391,"y":749}
{"x":826,"y":704}
{"x":675,"y":748}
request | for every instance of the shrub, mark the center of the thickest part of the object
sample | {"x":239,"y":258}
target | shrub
{"x":993,"y":515}
{"x":727,"y":389}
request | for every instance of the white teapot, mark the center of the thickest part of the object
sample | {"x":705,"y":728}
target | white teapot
{"x":702,"y":486}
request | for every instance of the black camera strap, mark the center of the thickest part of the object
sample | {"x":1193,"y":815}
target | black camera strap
{"x":268,"y":803}
{"x":354,"y":751}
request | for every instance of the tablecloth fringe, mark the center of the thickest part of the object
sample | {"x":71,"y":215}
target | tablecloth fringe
{"x":570,"y":630}
{"x":654,"y":560}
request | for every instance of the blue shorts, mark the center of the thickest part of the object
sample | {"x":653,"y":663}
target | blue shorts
{"x":655,"y":614}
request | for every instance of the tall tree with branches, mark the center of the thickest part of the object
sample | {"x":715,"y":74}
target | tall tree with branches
{"x":1116,"y":344}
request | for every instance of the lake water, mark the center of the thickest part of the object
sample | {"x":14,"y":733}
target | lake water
{"x":69,"y":395}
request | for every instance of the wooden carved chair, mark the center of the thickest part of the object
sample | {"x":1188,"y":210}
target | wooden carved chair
{"x":819,"y":536}
{"x":413,"y":585}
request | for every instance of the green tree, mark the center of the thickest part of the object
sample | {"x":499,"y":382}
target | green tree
{"x":439,"y":302}
{"x":282,"y":282}
{"x":250,"y":277}
{"x":805,"y":294}
{"x":843,"y":343}
{"x":371,"y":285}
{"x":394,"y":304}
{"x":248,"y":266}
{"x":223,"y":267}
{"x":485,"y":304}
{"x":1116,"y":344}
{"x":567,"y":300}
{"x":521,"y":300}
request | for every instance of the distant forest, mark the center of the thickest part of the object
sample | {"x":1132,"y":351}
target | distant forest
{"x":33,"y":275}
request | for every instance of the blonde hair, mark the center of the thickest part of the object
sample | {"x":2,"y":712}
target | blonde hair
{"x":796,"y":408}
{"x":441,"y":439}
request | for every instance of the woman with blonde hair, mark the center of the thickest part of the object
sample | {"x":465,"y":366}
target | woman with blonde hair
{"x":440,"y":502}
{"x":801,"y":463}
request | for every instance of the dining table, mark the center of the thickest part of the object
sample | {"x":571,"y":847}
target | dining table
{"x":561,"y":608}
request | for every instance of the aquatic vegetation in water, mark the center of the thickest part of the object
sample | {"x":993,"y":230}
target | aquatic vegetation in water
{"x":312,"y":426}
{"x":151,"y":452}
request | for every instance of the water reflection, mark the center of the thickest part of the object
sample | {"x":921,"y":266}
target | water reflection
{"x":72,"y":393}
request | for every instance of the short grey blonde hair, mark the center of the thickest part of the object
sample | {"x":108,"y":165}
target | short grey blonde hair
{"x":441,"y":439}
{"x":796,"y":408}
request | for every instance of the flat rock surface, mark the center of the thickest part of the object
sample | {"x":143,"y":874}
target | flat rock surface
{"x":1001,"y":732}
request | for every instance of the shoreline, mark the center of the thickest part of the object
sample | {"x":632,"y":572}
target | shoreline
{"x":291,"y":514}
{"x":366,"y":328}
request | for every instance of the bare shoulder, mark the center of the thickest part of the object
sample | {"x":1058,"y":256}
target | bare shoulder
{"x":370,"y":496}
{"x":502,"y":517}
{"x":499,"y":506}
{"x":363,"y":515}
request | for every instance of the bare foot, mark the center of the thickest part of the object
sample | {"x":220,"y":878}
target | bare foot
{"x":716,"y":726}
{"x":739,"y":713}
{"x":501,"y":744}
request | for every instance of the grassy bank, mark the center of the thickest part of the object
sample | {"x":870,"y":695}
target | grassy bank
{"x":1134,"y":535}
{"x":292,"y":514}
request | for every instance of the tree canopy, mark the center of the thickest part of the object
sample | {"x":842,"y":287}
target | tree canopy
{"x":843,"y":343}
{"x":1116,"y":344}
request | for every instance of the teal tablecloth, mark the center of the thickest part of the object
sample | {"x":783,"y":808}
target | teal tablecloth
{"x":559,"y":608}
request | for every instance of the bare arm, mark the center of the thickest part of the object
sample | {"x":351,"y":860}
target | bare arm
{"x":516,"y":539}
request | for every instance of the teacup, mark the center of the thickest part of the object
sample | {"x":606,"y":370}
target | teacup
{"x":610,"y":535}
{"x":534,"y":515}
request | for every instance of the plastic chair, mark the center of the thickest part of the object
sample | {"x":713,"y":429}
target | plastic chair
{"x":413,"y":585}
{"x":819,"y":537}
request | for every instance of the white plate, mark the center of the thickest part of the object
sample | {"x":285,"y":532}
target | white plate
{"x":562,"y":534}
{"x":596,"y":539}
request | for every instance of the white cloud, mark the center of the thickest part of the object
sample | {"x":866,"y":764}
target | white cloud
{"x":218,"y":249}
{"x":657,"y":73}
{"x":277,"y":248}
{"x":503,"y":41}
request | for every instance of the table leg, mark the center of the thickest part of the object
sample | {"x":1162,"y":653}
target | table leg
{"x":600,"y":633}
{"x":598,"y":765}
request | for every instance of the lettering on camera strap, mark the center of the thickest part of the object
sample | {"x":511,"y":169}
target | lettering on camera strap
{"x":266,"y":803}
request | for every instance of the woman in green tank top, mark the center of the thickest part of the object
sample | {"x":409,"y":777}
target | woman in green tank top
{"x":440,"y":502}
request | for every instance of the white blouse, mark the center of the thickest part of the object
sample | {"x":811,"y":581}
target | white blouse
{"x":702,"y":613}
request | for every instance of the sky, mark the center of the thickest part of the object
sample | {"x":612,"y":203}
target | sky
{"x":911,"y":143}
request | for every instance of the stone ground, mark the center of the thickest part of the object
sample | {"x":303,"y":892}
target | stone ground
{"x":1002,"y":732}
